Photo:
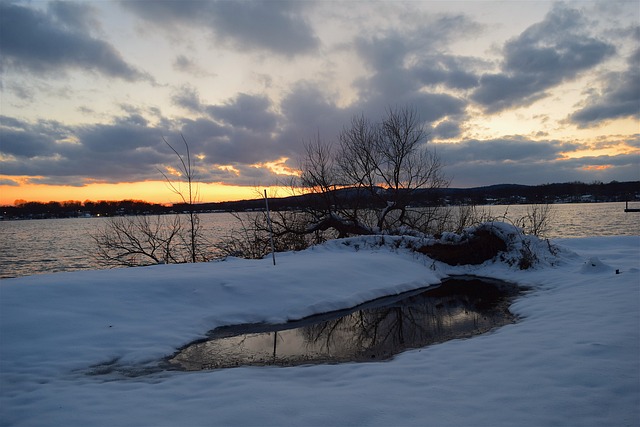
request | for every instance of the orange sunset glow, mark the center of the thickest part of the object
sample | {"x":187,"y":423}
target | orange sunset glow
{"x":152,"y":191}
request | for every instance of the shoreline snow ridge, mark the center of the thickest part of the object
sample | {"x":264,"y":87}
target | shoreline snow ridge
{"x":571,"y":360}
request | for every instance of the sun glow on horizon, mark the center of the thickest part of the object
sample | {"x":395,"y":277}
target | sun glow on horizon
{"x":149,"y":191}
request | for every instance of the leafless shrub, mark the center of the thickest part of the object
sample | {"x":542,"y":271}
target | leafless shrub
{"x":461,"y":217}
{"x":140,"y":240}
{"x":538,"y":219}
{"x":144,"y":240}
{"x":249,"y":238}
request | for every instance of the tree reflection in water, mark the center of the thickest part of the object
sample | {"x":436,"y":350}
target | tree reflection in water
{"x":458,"y":308}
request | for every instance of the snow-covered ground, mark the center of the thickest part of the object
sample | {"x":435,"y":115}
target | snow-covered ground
{"x":572,"y":360}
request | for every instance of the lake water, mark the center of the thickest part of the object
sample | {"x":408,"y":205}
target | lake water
{"x":54,"y":245}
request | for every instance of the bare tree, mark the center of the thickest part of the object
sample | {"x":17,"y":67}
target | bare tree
{"x":146,"y":240}
{"x":189,"y":197}
{"x":140,"y":240}
{"x":367,"y":182}
{"x":379,"y":169}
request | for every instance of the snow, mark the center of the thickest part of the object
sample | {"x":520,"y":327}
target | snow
{"x":572,"y":359}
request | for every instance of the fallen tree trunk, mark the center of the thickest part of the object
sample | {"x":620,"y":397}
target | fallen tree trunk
{"x":481,"y":246}
{"x":342,"y":226}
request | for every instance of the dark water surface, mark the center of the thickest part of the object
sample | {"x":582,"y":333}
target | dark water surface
{"x":459,"y":307}
{"x":54,"y":245}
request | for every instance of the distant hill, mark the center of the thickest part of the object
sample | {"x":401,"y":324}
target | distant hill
{"x":570,"y":192}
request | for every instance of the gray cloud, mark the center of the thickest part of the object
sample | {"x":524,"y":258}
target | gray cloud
{"x":447,"y":129}
{"x":619,"y":98}
{"x":522,"y":161}
{"x":202,"y":130}
{"x":9,"y":182}
{"x":277,"y":26}
{"x":252,"y":112}
{"x":131,"y":149}
{"x":116,"y":152}
{"x":308,"y":111}
{"x":74,"y":16}
{"x":187,"y":65}
{"x":513,"y":149}
{"x":221,"y":144}
{"x":187,"y":97}
{"x":543,"y":56}
{"x":409,"y":66}
{"x":535,"y":173}
{"x":453,"y":72}
{"x":246,"y":111}
{"x":20,"y":143}
{"x":54,"y":41}
{"x":122,"y":138}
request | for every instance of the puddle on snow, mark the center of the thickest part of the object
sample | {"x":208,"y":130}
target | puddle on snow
{"x":457,"y":308}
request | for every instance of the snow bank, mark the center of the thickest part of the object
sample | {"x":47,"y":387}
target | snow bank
{"x":571,"y":360}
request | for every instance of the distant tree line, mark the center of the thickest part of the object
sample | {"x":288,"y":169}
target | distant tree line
{"x":504,"y":194}
{"x":75,"y":208}
{"x":570,"y":192}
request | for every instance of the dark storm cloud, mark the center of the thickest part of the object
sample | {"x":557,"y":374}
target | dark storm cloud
{"x":619,"y":98}
{"x":130,"y":148}
{"x":276,"y":26}
{"x":543,"y":56}
{"x":57,"y":40}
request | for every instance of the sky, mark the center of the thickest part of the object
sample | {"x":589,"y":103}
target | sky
{"x":525,"y":92}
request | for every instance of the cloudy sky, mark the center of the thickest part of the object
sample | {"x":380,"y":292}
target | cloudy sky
{"x":526,"y":92}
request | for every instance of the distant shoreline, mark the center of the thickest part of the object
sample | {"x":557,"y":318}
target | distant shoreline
{"x":501,"y":194}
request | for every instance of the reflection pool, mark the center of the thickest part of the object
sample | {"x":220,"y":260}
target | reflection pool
{"x":458,"y":307}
